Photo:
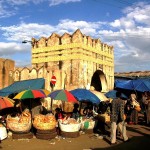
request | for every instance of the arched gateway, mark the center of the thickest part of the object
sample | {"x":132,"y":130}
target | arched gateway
{"x":77,"y":60}
{"x":80,"y":58}
{"x":99,"y":81}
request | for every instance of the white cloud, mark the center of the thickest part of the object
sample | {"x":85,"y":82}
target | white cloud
{"x":8,"y":7}
{"x":26,"y":31}
{"x":88,"y":28}
{"x":6,"y":48}
{"x":5,"y":11}
{"x":130,"y":35}
{"x":116,"y":23}
{"x":57,"y":2}
{"x":9,"y":50}
{"x":139,"y":13}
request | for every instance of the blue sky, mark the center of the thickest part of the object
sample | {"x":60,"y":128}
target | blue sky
{"x":123,"y":24}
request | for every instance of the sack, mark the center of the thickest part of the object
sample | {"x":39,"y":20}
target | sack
{"x":104,"y":117}
{"x":125,"y":117}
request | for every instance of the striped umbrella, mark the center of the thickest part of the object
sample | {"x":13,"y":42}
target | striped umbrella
{"x":28,"y":94}
{"x":62,"y":95}
{"x":6,"y":102}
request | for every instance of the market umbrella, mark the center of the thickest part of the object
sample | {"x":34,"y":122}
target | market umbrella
{"x":112,"y":94}
{"x":100,"y":95}
{"x":31,"y":94}
{"x":6,"y":102}
{"x":84,"y":95}
{"x":45,"y":91}
{"x":28,"y":94}
{"x":62,"y":95}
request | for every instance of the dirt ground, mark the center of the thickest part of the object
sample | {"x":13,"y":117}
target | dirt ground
{"x":139,"y":134}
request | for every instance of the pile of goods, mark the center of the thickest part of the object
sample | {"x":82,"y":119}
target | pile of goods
{"x":69,"y":125}
{"x":44,"y":122}
{"x":20,"y":123}
{"x":87,"y":123}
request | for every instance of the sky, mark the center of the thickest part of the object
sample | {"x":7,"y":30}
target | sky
{"x":123,"y":24}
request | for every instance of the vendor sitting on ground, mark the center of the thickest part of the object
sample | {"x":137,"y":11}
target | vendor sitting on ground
{"x":88,"y":111}
{"x":59,"y":113}
{"x":58,"y":116}
{"x":76,"y":112}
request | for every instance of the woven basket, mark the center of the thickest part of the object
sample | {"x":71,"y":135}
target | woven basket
{"x":16,"y":126}
{"x":44,"y":122}
{"x":45,"y":126}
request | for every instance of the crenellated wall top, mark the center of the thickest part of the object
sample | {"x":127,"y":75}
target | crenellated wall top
{"x":77,"y":37}
{"x":20,"y":69}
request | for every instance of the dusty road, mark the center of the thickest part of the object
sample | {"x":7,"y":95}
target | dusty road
{"x":139,"y":134}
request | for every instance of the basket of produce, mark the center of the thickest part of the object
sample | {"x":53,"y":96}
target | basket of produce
{"x":69,"y":125}
{"x":87,"y":123}
{"x":20,"y":123}
{"x":44,"y":122}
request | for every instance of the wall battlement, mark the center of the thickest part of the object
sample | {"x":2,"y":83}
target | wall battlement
{"x":76,"y":60}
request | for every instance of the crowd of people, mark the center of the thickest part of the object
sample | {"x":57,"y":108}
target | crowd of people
{"x":121,"y":113}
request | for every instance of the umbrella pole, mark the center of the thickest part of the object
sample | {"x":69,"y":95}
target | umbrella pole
{"x":51,"y":104}
{"x":31,"y":116}
{"x":52,"y":86}
{"x":80,"y":107}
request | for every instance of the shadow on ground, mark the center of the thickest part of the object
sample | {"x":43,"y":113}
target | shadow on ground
{"x":139,"y":140}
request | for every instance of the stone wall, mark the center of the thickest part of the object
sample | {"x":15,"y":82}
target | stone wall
{"x":72,"y":58}
{"x":7,"y":67}
{"x":75,"y":56}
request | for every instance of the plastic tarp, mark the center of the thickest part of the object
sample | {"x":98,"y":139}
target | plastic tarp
{"x":112,"y":94}
{"x":140,"y":85}
{"x":19,"y":86}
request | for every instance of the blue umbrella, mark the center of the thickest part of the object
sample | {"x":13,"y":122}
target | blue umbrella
{"x":112,"y":94}
{"x":85,"y":95}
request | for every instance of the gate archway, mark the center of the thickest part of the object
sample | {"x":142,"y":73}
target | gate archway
{"x":99,"y":81}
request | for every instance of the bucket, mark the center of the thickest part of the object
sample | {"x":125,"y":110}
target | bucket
{"x":3,"y":133}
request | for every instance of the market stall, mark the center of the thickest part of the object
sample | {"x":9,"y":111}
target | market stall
{"x":45,"y":126}
{"x":20,"y":126}
{"x":69,"y":127}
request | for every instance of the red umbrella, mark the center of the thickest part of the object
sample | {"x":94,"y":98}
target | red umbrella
{"x":6,"y":102}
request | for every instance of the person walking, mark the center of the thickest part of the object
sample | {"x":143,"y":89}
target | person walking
{"x":117,"y":119}
{"x":134,"y":112}
{"x":146,"y":102}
